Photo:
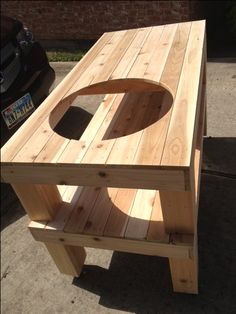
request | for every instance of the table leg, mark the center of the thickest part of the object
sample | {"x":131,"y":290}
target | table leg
{"x":41,"y":202}
{"x":179,"y":215}
{"x":184,"y":273}
{"x":68,"y":259}
{"x":178,"y":210}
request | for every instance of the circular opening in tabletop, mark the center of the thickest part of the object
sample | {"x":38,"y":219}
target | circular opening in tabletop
{"x":122,"y":113}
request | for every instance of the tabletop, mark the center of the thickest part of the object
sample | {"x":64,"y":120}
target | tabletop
{"x":144,"y":130}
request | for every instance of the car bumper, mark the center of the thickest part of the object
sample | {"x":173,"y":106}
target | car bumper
{"x":38,"y":87}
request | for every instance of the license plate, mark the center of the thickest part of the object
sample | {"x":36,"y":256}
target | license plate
{"x":18,"y":111}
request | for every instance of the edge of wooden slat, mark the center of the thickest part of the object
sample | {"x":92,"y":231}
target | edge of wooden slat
{"x":177,"y":250}
{"x":172,"y":151}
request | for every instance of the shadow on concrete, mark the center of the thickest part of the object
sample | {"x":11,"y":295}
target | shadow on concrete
{"x":73,"y":123}
{"x":11,"y":208}
{"x":142,"y":284}
{"x":219,"y":155}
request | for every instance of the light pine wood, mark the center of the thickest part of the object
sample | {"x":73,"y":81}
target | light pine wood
{"x":178,"y":251}
{"x":184,"y":275}
{"x":70,"y":200}
{"x":184,"y":272}
{"x":132,"y":180}
{"x":174,"y":62}
{"x":123,"y":68}
{"x":68,"y":259}
{"x":119,"y":215}
{"x":178,"y":211}
{"x":152,"y":141}
{"x":79,"y":216}
{"x":140,"y":214}
{"x":97,"y":65}
{"x":119,"y":176}
{"x":114,"y":111}
{"x":100,"y":212}
{"x":154,"y":69}
{"x":116,"y":56}
{"x":156,"y":230}
{"x":41,"y":202}
{"x":145,"y":54}
{"x":75,"y":150}
{"x":179,"y":139}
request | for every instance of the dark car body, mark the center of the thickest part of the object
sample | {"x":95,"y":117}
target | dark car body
{"x":25,"y":76}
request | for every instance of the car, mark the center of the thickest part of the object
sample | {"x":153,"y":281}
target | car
{"x":25,"y":75}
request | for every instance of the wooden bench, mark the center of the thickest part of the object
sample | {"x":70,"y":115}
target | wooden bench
{"x":131,"y":182}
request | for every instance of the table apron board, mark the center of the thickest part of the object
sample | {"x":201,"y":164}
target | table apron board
{"x":113,"y":176}
{"x":173,"y":250}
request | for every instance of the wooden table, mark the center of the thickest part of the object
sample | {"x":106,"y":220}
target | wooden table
{"x":131,"y":182}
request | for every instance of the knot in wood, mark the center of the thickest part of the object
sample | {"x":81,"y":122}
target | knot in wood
{"x":102,"y":174}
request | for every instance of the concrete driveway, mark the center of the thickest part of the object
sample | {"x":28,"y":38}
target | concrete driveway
{"x":115,"y":282}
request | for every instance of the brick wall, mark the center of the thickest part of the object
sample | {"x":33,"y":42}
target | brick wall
{"x":60,"y":20}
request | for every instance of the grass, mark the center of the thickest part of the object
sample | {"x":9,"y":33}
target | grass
{"x":60,"y":55}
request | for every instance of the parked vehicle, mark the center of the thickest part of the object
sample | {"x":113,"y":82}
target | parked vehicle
{"x":25,"y":76}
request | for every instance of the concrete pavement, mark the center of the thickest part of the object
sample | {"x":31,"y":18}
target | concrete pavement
{"x":115,"y":282}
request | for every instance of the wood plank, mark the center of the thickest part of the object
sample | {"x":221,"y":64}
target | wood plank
{"x":178,"y":145}
{"x":75,"y":150}
{"x":153,"y":137}
{"x":174,"y":62}
{"x":184,"y":272}
{"x":21,"y":136}
{"x":97,"y":66}
{"x":113,"y":113}
{"x":147,"y":177}
{"x":184,"y":275}
{"x":138,"y":223}
{"x":160,"y":54}
{"x":178,"y":210}
{"x":115,"y":57}
{"x":124,"y":116}
{"x":82,"y":210}
{"x":134,"y":115}
{"x":125,"y":147}
{"x":71,"y":199}
{"x":122,"y":85}
{"x":98,"y":217}
{"x":41,"y":202}
{"x":31,"y":149}
{"x":156,"y":230}
{"x":68,"y":259}
{"x":119,"y":215}
{"x":131,"y":54}
{"x":98,"y":152}
{"x":62,"y":146}
{"x":53,"y":149}
{"x":125,"y":245}
{"x":198,"y":149}
{"x":144,"y":56}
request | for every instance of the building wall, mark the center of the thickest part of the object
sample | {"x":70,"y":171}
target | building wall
{"x":70,"y":20}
